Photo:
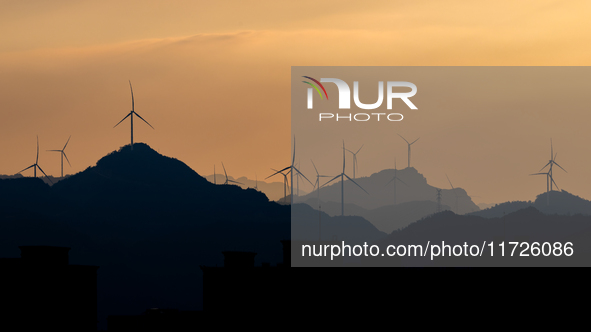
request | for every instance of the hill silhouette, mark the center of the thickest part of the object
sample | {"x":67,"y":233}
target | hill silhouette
{"x":148,"y":221}
{"x":273,"y":190}
{"x":386,"y":218}
{"x":561,"y":202}
{"x":381,"y":195}
{"x":351,"y":229}
{"x":526,"y":225}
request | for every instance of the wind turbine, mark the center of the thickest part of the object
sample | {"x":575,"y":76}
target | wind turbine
{"x":355,"y":160}
{"x":409,"y":144}
{"x":63,"y":155}
{"x":394,"y":179}
{"x":454,"y":190}
{"x":550,"y":163}
{"x":285,"y":185}
{"x":292,"y":168}
{"x":317,"y":184}
{"x":36,"y":165}
{"x":438,"y":199}
{"x":131,"y":113}
{"x":227,"y":181}
{"x":549,"y":179}
{"x":342,"y":176}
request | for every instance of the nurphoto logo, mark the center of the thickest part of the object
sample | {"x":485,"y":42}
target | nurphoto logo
{"x":345,"y":99}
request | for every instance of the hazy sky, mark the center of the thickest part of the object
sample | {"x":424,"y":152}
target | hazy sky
{"x":213,"y":77}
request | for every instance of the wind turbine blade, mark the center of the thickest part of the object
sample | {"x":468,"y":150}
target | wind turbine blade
{"x":52,"y":181}
{"x":37,"y":160}
{"x":545,"y":166}
{"x":66,"y":158}
{"x":404,"y":139}
{"x":143,"y":120}
{"x":559,"y":166}
{"x":225,"y":171}
{"x":325,"y":176}
{"x":128,"y":114}
{"x":350,"y":151}
{"x":356,"y":184}
{"x":25,"y":169}
{"x":539,"y":174}
{"x":54,"y":150}
{"x":67,"y":142}
{"x":294,"y":147}
{"x":551,"y":149}
{"x":336,"y":177}
{"x":552,"y":179}
{"x":300,"y":173}
{"x":413,"y":142}
{"x":343,"y":156}
{"x":235,"y":182}
{"x":314,"y":167}
{"x":277,"y":172}
{"x":359,"y":149}
{"x":389,"y":182}
{"x":132,"y":101}
{"x":403,"y":182}
{"x":452,"y":186}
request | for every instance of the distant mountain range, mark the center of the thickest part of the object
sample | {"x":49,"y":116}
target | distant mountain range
{"x":273,"y":190}
{"x":527,"y":227}
{"x":50,"y":180}
{"x":386,"y":218}
{"x":380,"y":194}
{"x":560,"y":202}
{"x":310,"y":224}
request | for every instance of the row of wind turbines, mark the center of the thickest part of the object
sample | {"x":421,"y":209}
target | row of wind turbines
{"x":293,"y":169}
{"x":36,"y":166}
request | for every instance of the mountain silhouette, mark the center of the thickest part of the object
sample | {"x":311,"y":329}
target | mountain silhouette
{"x":148,"y":221}
{"x":386,"y":218}
{"x":382,"y":195}
{"x":351,"y":229}
{"x":273,"y":190}
{"x":561,"y":202}
{"x":527,"y":225}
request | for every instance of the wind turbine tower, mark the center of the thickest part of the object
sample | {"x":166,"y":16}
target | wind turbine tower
{"x":228,"y":181}
{"x":36,"y":165}
{"x":63,"y":154}
{"x":549,"y":178}
{"x":131,"y":114}
{"x":355,"y":160}
{"x":409,"y":144}
{"x":342,"y":176}
{"x":292,"y":169}
{"x":394,"y":180}
{"x":454,"y":191}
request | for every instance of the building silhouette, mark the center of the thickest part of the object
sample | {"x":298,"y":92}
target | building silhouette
{"x":239,"y":287}
{"x":42,"y":291}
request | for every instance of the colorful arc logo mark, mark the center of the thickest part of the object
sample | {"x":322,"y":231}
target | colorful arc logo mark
{"x":315,"y":87}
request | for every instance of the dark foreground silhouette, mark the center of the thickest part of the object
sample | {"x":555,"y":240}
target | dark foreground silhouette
{"x":148,"y":221}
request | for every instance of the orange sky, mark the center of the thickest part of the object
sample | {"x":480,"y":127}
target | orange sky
{"x":213,"y":77}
